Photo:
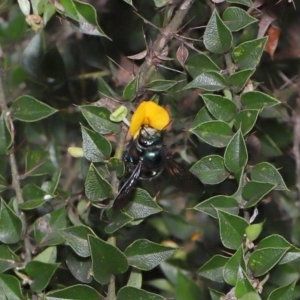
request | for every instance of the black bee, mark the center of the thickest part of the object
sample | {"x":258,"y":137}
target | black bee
{"x":146,"y":157}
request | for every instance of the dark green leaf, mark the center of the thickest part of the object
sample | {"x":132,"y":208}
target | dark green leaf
{"x":77,"y":238}
{"x":217,"y":37}
{"x":117,"y":220}
{"x":46,"y":228}
{"x":247,"y":55}
{"x":88,"y":23}
{"x":160,"y":85}
{"x":239,"y":79}
{"x":75,"y":292}
{"x":40,"y":274}
{"x":10,"y":288}
{"x":38,"y":163}
{"x":8,"y":259}
{"x":146,"y":255}
{"x":200,"y":63}
{"x":224,"y":203}
{"x":232,"y":229}
{"x":245,"y":120}
{"x":96,"y":148}
{"x":117,"y":165}
{"x":234,"y":265}
{"x":96,"y":187}
{"x":208,"y":81}
{"x":10,"y":225}
{"x":254,"y":191}
{"x":142,"y":205}
{"x":265,"y":172}
{"x":130,"y":91}
{"x":236,"y":18}
{"x":202,"y":116}
{"x":213,"y":269}
{"x":263,"y":260}
{"x":80,"y":267}
{"x":5,"y":136}
{"x":29,"y":109}
{"x":220,"y":107}
{"x":257,"y":100}
{"x":243,"y":286}
{"x":215,"y":295}
{"x":210,"y":169}
{"x":215,"y":133}
{"x":129,"y":292}
{"x":236,"y":155}
{"x":284,"y":292}
{"x":186,"y":288}
{"x":98,"y":118}
{"x":107,"y":260}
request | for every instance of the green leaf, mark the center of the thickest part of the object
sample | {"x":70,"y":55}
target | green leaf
{"x":248,"y":3}
{"x":234,"y":265}
{"x":261,"y":261}
{"x":77,"y":239}
{"x":254,"y":191}
{"x":217,"y":37}
{"x":210,"y":169}
{"x":265,"y":172}
{"x":87,"y":18}
{"x":232,"y":229}
{"x":29,"y":109}
{"x":251,"y":296}
{"x":8,"y":259}
{"x":284,"y":292}
{"x":142,"y":205}
{"x":130,"y":91}
{"x":96,"y":187}
{"x":80,"y":267}
{"x":208,"y":81}
{"x":146,"y":255}
{"x":75,"y":292}
{"x":96,"y":147}
{"x":38,"y":163}
{"x":253,"y":231}
{"x":236,"y":18}
{"x":243,"y":286}
{"x":239,"y":79}
{"x":224,"y":203}
{"x":98,"y":118}
{"x":49,"y":255}
{"x":160,"y":85}
{"x":186,"y":288}
{"x":215,"y":133}
{"x":257,"y":100}
{"x":245,"y":120}
{"x":117,"y":220}
{"x":220,"y":107}
{"x":202,"y":116}
{"x":107,"y":260}
{"x":40,"y":274}
{"x":247,"y":55}
{"x":10,"y":225}
{"x":213,"y":269}
{"x":135,"y":279}
{"x":116,"y":165}
{"x":129,"y":292}
{"x":236,"y":155}
{"x":200,"y":63}
{"x":10,"y":288}
{"x":5,"y":136}
{"x":46,"y":228}
{"x":69,"y":9}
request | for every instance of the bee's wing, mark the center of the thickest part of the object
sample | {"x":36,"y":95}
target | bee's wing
{"x":126,"y":192}
{"x":184,"y":178}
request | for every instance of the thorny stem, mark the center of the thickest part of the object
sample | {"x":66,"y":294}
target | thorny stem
{"x":160,"y":43}
{"x":13,"y":166}
{"x":146,"y":69}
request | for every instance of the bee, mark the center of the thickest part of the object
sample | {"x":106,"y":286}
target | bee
{"x":145,"y":158}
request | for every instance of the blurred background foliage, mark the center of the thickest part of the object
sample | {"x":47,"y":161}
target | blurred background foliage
{"x":66,"y":69}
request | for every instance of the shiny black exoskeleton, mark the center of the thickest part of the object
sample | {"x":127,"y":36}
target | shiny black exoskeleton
{"x":145,"y":158}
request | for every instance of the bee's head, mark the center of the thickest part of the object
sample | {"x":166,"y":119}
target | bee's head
{"x":149,"y":136}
